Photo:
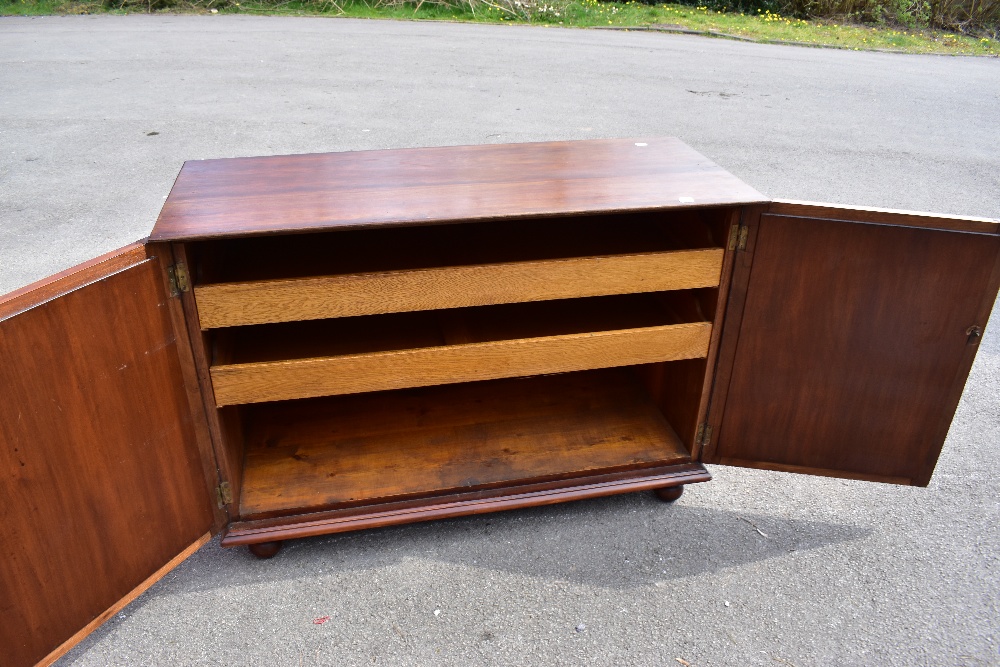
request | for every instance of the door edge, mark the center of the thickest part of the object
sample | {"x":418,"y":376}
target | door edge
{"x":123,"y":602}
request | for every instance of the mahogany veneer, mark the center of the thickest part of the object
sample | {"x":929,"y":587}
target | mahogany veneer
{"x":320,"y":343}
{"x":418,"y":186}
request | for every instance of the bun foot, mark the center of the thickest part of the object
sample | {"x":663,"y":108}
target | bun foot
{"x":669,"y":494}
{"x":265,"y":550}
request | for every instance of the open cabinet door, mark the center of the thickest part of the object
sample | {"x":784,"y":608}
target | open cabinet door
{"x":848,"y":339}
{"x":103,"y":487}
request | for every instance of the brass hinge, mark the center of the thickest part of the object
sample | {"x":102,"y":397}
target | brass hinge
{"x":177,"y":276}
{"x":738,"y":237}
{"x":224,"y":494}
{"x":704,"y":435}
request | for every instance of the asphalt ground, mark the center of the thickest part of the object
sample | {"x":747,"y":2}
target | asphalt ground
{"x":97,"y":113}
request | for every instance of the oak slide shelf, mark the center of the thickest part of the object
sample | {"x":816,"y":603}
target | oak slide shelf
{"x":352,"y":355}
{"x":337,"y":452}
{"x":268,"y":301}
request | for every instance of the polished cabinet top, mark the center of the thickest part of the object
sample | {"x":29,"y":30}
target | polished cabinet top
{"x":322,"y":191}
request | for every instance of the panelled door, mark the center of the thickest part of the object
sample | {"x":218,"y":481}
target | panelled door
{"x":848,"y":339}
{"x":102,"y":479}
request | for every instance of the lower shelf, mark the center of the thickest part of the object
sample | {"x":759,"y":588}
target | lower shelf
{"x":359,"y":450}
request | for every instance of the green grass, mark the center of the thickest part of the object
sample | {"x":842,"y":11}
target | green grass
{"x":575,"y":13}
{"x":37,"y":8}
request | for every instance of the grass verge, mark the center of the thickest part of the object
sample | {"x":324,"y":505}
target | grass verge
{"x":763,"y":26}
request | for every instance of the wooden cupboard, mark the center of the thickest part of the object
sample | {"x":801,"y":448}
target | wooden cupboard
{"x":319,"y":343}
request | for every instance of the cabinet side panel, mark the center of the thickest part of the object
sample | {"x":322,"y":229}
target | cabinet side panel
{"x":101,"y":482}
{"x":854,"y":347}
{"x":224,"y":426}
{"x":193,"y":389}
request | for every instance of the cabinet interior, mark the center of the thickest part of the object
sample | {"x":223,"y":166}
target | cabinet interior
{"x":579,"y":347}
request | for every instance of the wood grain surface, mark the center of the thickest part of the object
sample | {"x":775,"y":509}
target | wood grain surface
{"x":311,"y":454}
{"x":854,"y":346}
{"x":377,"y":371}
{"x":196,"y":387}
{"x":885,"y":216}
{"x":740,"y":270}
{"x":102,"y":481}
{"x":261,"y":302}
{"x":125,"y":601}
{"x":48,"y":288}
{"x":227,"y":444}
{"x":418,"y":186}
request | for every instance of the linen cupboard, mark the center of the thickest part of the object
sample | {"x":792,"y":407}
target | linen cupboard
{"x":310,"y":344}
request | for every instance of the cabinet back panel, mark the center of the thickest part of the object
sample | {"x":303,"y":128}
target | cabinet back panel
{"x":318,"y":453}
{"x":854,"y":347}
{"x":453,"y":244}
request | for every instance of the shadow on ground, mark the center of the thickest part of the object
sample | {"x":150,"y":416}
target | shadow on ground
{"x":619,"y":542}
